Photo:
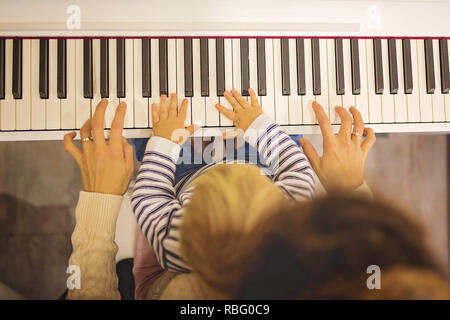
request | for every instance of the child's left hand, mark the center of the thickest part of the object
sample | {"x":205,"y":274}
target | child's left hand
{"x":168,"y":121}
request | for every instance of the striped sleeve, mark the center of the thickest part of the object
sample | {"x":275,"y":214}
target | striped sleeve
{"x":286,"y":162}
{"x":157,"y":209}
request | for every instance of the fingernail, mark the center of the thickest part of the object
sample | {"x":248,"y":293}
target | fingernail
{"x":163,"y":96}
{"x":226,"y":93}
{"x":174,"y":95}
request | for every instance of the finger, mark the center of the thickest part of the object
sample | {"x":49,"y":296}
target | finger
{"x":359,"y":124}
{"x":242,"y":101}
{"x":310,"y":153}
{"x":86,"y":129}
{"x":324,"y":121}
{"x":192,"y":128}
{"x":232,"y":134}
{"x":173,"y":106}
{"x":226,"y":112}
{"x":155,"y":114}
{"x":115,"y":136}
{"x":71,"y":148}
{"x":164,"y":107}
{"x":346,"y":122}
{"x":253,"y":97}
{"x":98,"y":122}
{"x":369,"y":141}
{"x":183,"y":109}
{"x":234,"y":103}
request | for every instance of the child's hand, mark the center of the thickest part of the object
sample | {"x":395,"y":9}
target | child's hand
{"x":168,"y":122}
{"x":341,"y":167}
{"x":244,"y":113}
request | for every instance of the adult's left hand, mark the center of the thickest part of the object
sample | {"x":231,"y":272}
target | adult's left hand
{"x":106,"y":166}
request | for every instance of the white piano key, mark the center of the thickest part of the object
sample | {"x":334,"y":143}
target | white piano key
{"x":281,"y":102}
{"x":53,"y":104}
{"x":180,"y":80}
{"x":348,"y":99}
{"x":426,"y":100}
{"x":68,"y":105}
{"x":113,"y":100}
{"x":438,"y":97}
{"x":373,"y":98}
{"x":96,"y":70}
{"x":322,"y":99}
{"x":236,"y":44}
{"x":8,"y":105}
{"x":295,"y":100}
{"x":333,"y":98}
{"x":83,"y":105}
{"x":253,"y":64}
{"x":23,"y":106}
{"x":37,"y":104}
{"x":387,"y":99}
{"x":401,"y":109}
{"x":228,"y":57}
{"x":141,"y":107}
{"x":447,"y":100}
{"x":413,"y":98}
{"x":154,"y":61}
{"x":198,"y":102}
{"x":268,"y":101}
{"x":308,"y":113}
{"x":129,"y":56}
{"x":212,"y":116}
{"x":362,"y":100}
{"x":172,"y":65}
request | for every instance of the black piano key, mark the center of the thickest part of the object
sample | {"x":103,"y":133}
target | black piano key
{"x":356,"y":73}
{"x":445,"y":72}
{"x":43,"y":68}
{"x":245,"y":68}
{"x":285,"y":75}
{"x":378,"y":60}
{"x":339,"y":63}
{"x":146,"y":68}
{"x":407,"y":66}
{"x":104,"y":68}
{"x":261,"y":67}
{"x":220,"y":67}
{"x":2,"y":68}
{"x":120,"y":72}
{"x":204,"y":67}
{"x":315,"y":51}
{"x":163,"y":68}
{"x":62,"y":69}
{"x":393,"y":67}
{"x":301,"y":80}
{"x":188,"y":73}
{"x":429,"y":66}
{"x":88,"y":75}
{"x":17,"y":69}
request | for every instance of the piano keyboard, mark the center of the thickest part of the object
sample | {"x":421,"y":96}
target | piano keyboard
{"x":51,"y":86}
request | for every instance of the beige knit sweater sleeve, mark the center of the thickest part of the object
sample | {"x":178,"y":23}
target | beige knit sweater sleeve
{"x":93,"y":244}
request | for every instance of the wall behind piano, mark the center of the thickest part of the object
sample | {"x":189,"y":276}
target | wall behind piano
{"x":39,"y":187}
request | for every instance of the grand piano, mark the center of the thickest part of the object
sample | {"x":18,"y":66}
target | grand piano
{"x":389,"y":59}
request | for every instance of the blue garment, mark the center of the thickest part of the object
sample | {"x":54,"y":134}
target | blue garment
{"x":245,"y":153}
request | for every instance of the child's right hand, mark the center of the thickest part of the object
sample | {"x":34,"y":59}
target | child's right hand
{"x":243,"y":113}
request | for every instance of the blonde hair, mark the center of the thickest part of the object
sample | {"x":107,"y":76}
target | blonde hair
{"x":227,"y":202}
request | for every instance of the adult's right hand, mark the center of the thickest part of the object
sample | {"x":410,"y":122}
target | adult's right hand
{"x":341,"y":167}
{"x":106,"y":166}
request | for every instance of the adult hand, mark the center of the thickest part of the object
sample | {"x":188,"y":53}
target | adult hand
{"x":341,"y":167}
{"x":168,"y":121}
{"x":106,"y":166}
{"x":243,"y":113}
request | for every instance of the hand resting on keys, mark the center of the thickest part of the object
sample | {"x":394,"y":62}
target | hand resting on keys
{"x":106,"y":166}
{"x":341,"y":167}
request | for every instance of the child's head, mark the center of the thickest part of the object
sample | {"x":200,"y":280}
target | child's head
{"x":227,"y":202}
